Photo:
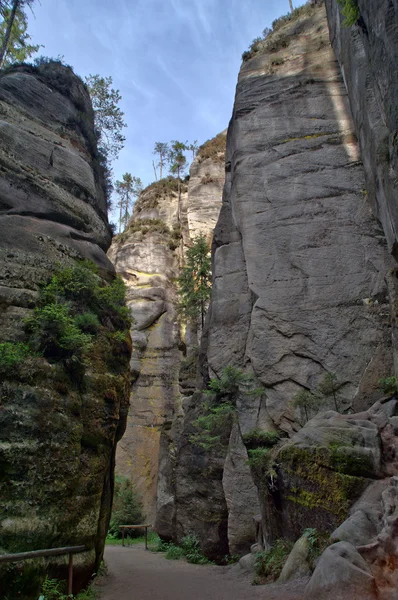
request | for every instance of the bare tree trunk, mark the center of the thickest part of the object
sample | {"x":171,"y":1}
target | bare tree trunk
{"x":291,"y":5}
{"x":179,"y":197}
{"x":6,"y":40}
{"x":154,"y":168}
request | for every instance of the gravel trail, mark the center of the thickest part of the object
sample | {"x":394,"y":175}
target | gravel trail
{"x":137,"y":574}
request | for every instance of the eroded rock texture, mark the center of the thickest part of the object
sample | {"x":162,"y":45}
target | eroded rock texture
{"x":367,"y":53}
{"x":149,"y":256}
{"x":299,"y":266}
{"x":58,"y":441}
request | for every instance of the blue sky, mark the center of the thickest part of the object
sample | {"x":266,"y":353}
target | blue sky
{"x":175,"y":62}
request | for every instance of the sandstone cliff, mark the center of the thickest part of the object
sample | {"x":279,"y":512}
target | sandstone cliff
{"x":299,"y":290}
{"x":61,"y":415}
{"x":149,"y":255}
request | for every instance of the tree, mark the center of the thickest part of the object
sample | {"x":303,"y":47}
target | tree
{"x":328,"y":387}
{"x":109,"y":118}
{"x":306,"y":401}
{"x":291,"y":5}
{"x":127,"y":507}
{"x":178,"y":164}
{"x":193,"y":148}
{"x":128,"y":189}
{"x":14,"y":39}
{"x":162,"y":150}
{"x":194,"y":283}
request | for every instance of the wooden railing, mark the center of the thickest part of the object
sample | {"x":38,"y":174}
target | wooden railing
{"x":123,"y":527}
{"x":71,"y":550}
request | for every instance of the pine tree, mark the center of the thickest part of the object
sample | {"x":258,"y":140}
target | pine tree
{"x":178,"y":164}
{"x":162,"y":151}
{"x":128,"y":190}
{"x":109,"y":118}
{"x":14,"y":39}
{"x":194,"y":283}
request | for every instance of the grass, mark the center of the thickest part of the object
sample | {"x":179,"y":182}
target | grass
{"x":272,"y":41}
{"x":153,"y":539}
{"x":269,"y":564}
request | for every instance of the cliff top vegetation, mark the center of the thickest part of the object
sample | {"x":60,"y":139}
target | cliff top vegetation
{"x":213,"y":148}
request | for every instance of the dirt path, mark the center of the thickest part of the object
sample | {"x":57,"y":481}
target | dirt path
{"x":136,"y":574}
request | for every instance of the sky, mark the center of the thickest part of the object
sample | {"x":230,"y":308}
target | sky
{"x":175,"y":62}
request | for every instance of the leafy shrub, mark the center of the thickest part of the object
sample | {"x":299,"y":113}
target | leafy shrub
{"x":54,"y":332}
{"x":258,"y":438}
{"x":191,"y":548}
{"x":349,"y":10}
{"x":88,"y":322}
{"x":127,"y":508}
{"x":259,"y":457}
{"x":174,"y":552}
{"x":53,"y":589}
{"x":269,"y":564}
{"x":12,"y":354}
{"x":318,"y":542}
{"x":389,"y":385}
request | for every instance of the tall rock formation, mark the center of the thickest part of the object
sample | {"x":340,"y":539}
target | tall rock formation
{"x":148,"y":255}
{"x":299,"y":291}
{"x":59,"y":426}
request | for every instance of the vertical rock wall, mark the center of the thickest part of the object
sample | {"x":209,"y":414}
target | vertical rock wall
{"x":299,"y":261}
{"x":58,"y":441}
{"x":148,"y":256}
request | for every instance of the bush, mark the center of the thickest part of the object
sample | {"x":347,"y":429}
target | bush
{"x":191,"y":548}
{"x":258,"y":438}
{"x":214,"y":427}
{"x":12,"y":354}
{"x":269,"y":564}
{"x":54,"y":332}
{"x":174,"y":552}
{"x":127,"y":508}
{"x":349,"y":10}
{"x":389,"y":385}
{"x":88,"y":322}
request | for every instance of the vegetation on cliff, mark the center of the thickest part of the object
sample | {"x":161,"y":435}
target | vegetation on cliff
{"x":194,"y":282}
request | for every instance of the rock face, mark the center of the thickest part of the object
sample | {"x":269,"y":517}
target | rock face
{"x":149,"y":256}
{"x":58,"y":439}
{"x":367,"y":53}
{"x":299,"y":267}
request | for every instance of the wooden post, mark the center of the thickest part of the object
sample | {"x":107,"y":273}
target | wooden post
{"x":70,"y":575}
{"x":122,"y":536}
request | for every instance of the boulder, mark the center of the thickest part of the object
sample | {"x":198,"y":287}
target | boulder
{"x":341,"y":574}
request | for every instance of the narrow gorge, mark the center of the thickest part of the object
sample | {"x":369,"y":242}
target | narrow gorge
{"x":304,"y":286}
{"x":276,"y":419}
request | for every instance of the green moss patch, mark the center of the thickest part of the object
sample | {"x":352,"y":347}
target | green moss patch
{"x":311,"y":482}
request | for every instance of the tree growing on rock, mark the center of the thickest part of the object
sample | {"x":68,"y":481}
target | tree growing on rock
{"x":194,"y":283}
{"x":14,"y":40}
{"x":306,"y":401}
{"x":161,"y":150}
{"x":177,"y":165}
{"x":128,"y":189}
{"x":109,"y":118}
{"x":329,"y":387}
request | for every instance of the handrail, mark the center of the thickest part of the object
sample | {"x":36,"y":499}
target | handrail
{"x":71,"y":550}
{"x":146,"y":525}
{"x":40,"y":553}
